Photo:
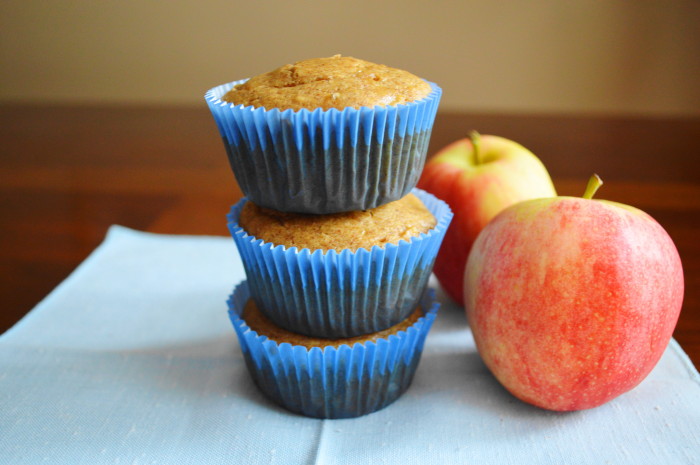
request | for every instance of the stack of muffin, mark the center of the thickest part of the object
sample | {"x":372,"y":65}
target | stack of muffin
{"x":336,"y":242}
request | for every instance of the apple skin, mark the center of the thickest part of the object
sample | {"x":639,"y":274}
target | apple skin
{"x":477,"y":190}
{"x":572,"y":301}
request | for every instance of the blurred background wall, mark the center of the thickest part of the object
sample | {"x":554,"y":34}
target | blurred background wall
{"x":575,"y":56}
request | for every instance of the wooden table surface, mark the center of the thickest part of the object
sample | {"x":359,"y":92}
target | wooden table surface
{"x":69,"y":172}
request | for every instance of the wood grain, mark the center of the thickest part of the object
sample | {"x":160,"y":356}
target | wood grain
{"x":69,"y":172}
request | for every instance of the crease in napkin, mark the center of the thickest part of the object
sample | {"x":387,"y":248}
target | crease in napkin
{"x":132,"y":360}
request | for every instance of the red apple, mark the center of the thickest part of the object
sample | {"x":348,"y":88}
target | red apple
{"x":572,"y":301}
{"x":478,"y":177}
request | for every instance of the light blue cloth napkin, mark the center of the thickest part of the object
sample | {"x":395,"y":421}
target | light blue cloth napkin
{"x":133,"y":360}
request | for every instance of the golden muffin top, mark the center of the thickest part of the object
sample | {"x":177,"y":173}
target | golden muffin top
{"x":264,"y":327}
{"x":389,"y":223}
{"x":332,"y":82}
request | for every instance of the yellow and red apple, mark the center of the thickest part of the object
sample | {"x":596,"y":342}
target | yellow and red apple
{"x":478,"y":177}
{"x":572,"y":301}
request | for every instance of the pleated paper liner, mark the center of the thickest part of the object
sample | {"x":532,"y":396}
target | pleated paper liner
{"x":333,"y":382}
{"x":316,"y":161}
{"x":340,"y":294}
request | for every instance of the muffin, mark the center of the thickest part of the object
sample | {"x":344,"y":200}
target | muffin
{"x":326,"y":135}
{"x":258,"y":322}
{"x":336,"y":82}
{"x":325,"y":378}
{"x":387,"y":224}
{"x":340,"y":291}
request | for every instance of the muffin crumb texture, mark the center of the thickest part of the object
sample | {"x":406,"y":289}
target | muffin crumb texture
{"x":333,"y":82}
{"x":264,"y":327}
{"x":402,"y":219}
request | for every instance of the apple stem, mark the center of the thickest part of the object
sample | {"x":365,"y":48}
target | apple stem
{"x":476,"y":143}
{"x":593,"y":185}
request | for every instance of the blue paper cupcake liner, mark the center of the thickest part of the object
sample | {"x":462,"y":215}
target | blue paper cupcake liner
{"x":325,"y":161}
{"x":333,"y":382}
{"x":334,"y":294}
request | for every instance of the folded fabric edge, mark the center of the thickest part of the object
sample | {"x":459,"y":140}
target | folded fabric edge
{"x":117,"y":231}
{"x":685,"y":360}
{"x":114,"y":234}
